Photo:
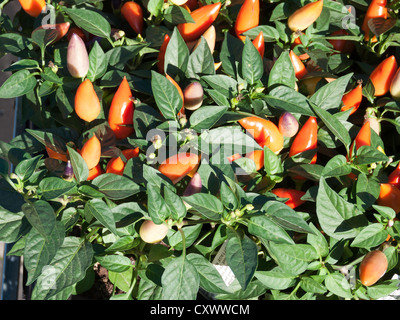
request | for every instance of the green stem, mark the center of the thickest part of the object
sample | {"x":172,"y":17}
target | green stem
{"x":183,"y":242}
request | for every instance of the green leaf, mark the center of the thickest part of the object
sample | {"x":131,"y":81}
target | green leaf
{"x":12,"y":225}
{"x":334,"y":125}
{"x":370,"y":236}
{"x":273,"y":165}
{"x":329,"y":97}
{"x":266,"y":228}
{"x":241,"y":256}
{"x":288,"y":99}
{"x":175,"y":204}
{"x":276,"y":280}
{"x":368,"y":155}
{"x":25,"y":169}
{"x":97,"y":63}
{"x":115,"y":187}
{"x":318,"y":241}
{"x":18,"y":84}
{"x":54,"y":187}
{"x":338,"y":218}
{"x":231,"y":54}
{"x":206,"y":116}
{"x":81,"y":170}
{"x":180,"y":280}
{"x":90,"y":21}
{"x":177,"y":14}
{"x":41,"y":216}
{"x":115,"y":263}
{"x":210,"y":279}
{"x":176,"y":56}
{"x":338,"y":285}
{"x":206,"y":204}
{"x":40,"y":250}
{"x":191,"y":234}
{"x":252,"y":65}
{"x":166,"y":96}
{"x":68,"y":267}
{"x":156,"y":205}
{"x":308,"y":284}
{"x":282,"y":73}
{"x":336,"y":167}
{"x":201,"y":61}
{"x":102,"y":213}
{"x":383,"y":289}
{"x":292,"y":258}
{"x":222,"y":83}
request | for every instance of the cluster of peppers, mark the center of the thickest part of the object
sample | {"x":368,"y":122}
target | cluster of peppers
{"x":385,"y":78}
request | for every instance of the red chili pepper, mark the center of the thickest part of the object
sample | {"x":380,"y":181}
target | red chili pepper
{"x":120,"y":115}
{"x":296,"y":42}
{"x":394,"y":177}
{"x":264,"y":132}
{"x":363,"y":137}
{"x":376,"y":9}
{"x":161,"y":54}
{"x":33,"y":7}
{"x":117,"y":165}
{"x":306,"y":139}
{"x":383,"y":75}
{"x":203,"y":17}
{"x":389,"y":196}
{"x":293,"y":195}
{"x":259,"y":43}
{"x":247,"y":18}
{"x":59,"y":29}
{"x":299,"y":68}
{"x":344,"y":46}
{"x":182,"y":110}
{"x":133,"y":13}
{"x":352,"y":99}
{"x":78,"y":31}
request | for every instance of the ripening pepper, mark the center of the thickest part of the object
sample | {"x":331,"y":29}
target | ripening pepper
{"x":293,"y":195}
{"x":389,"y":196}
{"x":395,"y":85}
{"x":376,"y":9}
{"x":264,"y":132}
{"x":300,"y":69}
{"x":203,"y":18}
{"x":179,"y":166}
{"x":120,"y":115}
{"x":304,"y":17}
{"x":117,"y":165}
{"x":373,"y":267}
{"x":77,"y":57}
{"x":383,"y":75}
{"x":344,"y":46}
{"x":352,"y":99}
{"x":306,"y":139}
{"x":59,"y":29}
{"x":87,"y":104}
{"x":133,"y":13}
{"x":247,"y":18}
{"x":33,"y":7}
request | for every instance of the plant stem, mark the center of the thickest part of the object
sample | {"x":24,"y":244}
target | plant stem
{"x":183,"y":241}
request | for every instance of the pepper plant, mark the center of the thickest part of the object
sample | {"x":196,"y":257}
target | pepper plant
{"x":169,"y":139}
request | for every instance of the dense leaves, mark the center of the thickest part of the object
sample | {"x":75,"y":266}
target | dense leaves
{"x":229,"y":236}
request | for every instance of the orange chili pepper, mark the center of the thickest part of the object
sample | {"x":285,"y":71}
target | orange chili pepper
{"x":179,"y":165}
{"x":376,"y":9}
{"x":302,"y":18}
{"x":33,"y":7}
{"x":247,"y":18}
{"x":306,"y":139}
{"x":259,"y":43}
{"x":352,"y":99}
{"x":133,"y":13}
{"x":161,"y":54}
{"x":117,"y":165}
{"x":383,"y":75}
{"x":389,"y":196}
{"x":293,"y":195}
{"x":299,"y":68}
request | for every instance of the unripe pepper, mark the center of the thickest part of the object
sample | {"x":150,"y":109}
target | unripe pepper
{"x":299,"y":68}
{"x":33,"y":7}
{"x":376,"y":9}
{"x":161,"y":54}
{"x":288,"y":125}
{"x":306,"y":139}
{"x":194,"y":186}
{"x":259,"y":43}
{"x":389,"y":196}
{"x":179,"y":165}
{"x":60,"y":29}
{"x":133,"y":13}
{"x":293,"y":195}
{"x":203,"y":17}
{"x":247,"y":18}
{"x":264,"y":132}
{"x":193,"y":96}
{"x":120,"y":116}
{"x":373,"y":267}
{"x":352,"y":99}
{"x":77,"y":57}
{"x":383,"y":75}
{"x":304,"y":17}
{"x":87,"y":103}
